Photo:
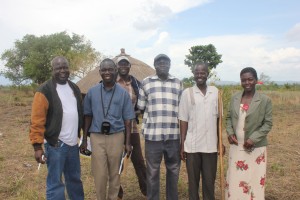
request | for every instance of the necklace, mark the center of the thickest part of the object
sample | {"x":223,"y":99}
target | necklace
{"x":105,"y":114}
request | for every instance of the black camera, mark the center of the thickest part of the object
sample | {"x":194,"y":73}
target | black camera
{"x":105,"y":128}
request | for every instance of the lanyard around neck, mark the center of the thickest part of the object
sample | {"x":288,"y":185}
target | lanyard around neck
{"x":105,"y":114}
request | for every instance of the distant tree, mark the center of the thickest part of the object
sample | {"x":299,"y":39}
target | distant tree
{"x":203,"y":53}
{"x":188,"y":82}
{"x":265,"y":79}
{"x":84,"y":63}
{"x":213,"y":77}
{"x":15,"y":74}
{"x":30,"y":58}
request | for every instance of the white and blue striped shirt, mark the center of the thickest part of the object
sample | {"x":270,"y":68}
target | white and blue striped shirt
{"x":160,"y":100}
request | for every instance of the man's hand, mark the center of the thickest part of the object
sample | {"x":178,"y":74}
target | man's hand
{"x":38,"y":154}
{"x":83,"y":146}
{"x":232,"y":139}
{"x":128,"y":150}
{"x":182,"y":154}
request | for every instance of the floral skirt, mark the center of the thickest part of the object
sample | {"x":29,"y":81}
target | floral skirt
{"x":246,"y":173}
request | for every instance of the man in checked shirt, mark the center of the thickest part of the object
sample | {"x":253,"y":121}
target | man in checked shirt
{"x":159,"y":99}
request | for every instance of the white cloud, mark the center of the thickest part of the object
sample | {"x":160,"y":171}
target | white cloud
{"x":294,"y":33}
{"x":163,"y":36}
{"x":153,"y":16}
{"x":239,"y":51}
{"x":45,"y":16}
{"x":182,"y":5}
{"x":105,"y":23}
{"x":155,"y":13}
{"x":138,"y":26}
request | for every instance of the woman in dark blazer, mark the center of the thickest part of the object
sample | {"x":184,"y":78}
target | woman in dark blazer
{"x":248,"y":122}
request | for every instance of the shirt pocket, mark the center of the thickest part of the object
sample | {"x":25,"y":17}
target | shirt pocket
{"x":115,"y":109}
{"x":214,"y":108}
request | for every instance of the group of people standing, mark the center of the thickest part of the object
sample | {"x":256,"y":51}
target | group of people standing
{"x":177,"y":125}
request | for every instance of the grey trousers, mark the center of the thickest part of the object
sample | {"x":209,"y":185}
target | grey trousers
{"x":204,"y":164}
{"x":154,"y":151}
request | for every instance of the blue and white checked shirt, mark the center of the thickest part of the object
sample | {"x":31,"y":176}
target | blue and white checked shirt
{"x":160,"y":100}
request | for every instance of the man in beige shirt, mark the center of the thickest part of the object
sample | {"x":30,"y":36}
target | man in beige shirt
{"x":198,"y":115}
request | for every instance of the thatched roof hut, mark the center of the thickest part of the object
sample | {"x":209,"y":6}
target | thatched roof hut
{"x":139,"y":69}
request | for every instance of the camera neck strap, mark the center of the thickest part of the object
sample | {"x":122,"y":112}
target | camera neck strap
{"x":105,"y":114}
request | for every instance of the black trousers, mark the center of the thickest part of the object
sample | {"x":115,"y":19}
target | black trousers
{"x":204,"y":165}
{"x":138,"y":164}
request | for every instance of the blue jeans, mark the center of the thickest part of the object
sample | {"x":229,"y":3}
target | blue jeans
{"x":63,"y":159}
{"x":154,"y":151}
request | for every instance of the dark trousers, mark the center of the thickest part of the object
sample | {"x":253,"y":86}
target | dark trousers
{"x":204,"y":164}
{"x":138,"y":164}
{"x":154,"y":151}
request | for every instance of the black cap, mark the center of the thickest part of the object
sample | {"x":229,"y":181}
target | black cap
{"x":161,"y":56}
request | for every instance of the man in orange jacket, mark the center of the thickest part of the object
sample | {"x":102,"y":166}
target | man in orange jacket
{"x":56,"y":120}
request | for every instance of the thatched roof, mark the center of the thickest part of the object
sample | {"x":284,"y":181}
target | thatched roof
{"x":138,"y":69}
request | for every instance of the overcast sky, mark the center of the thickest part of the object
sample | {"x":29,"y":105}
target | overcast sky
{"x":261,"y":34}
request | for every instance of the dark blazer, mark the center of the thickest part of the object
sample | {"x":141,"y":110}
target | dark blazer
{"x":258,"y":122}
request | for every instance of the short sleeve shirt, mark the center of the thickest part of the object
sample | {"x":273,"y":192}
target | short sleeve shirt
{"x":202,"y":119}
{"x":120,"y":109}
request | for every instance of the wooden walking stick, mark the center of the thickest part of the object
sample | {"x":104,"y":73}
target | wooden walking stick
{"x":220,"y":108}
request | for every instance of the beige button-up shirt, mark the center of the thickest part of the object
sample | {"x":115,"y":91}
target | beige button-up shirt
{"x":202,"y":119}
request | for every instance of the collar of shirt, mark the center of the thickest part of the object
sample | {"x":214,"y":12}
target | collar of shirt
{"x":105,"y":89}
{"x":208,"y":90}
{"x":156,"y":77}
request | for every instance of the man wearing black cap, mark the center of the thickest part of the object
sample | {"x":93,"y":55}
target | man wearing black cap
{"x":131,"y":84}
{"x":159,"y":99}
